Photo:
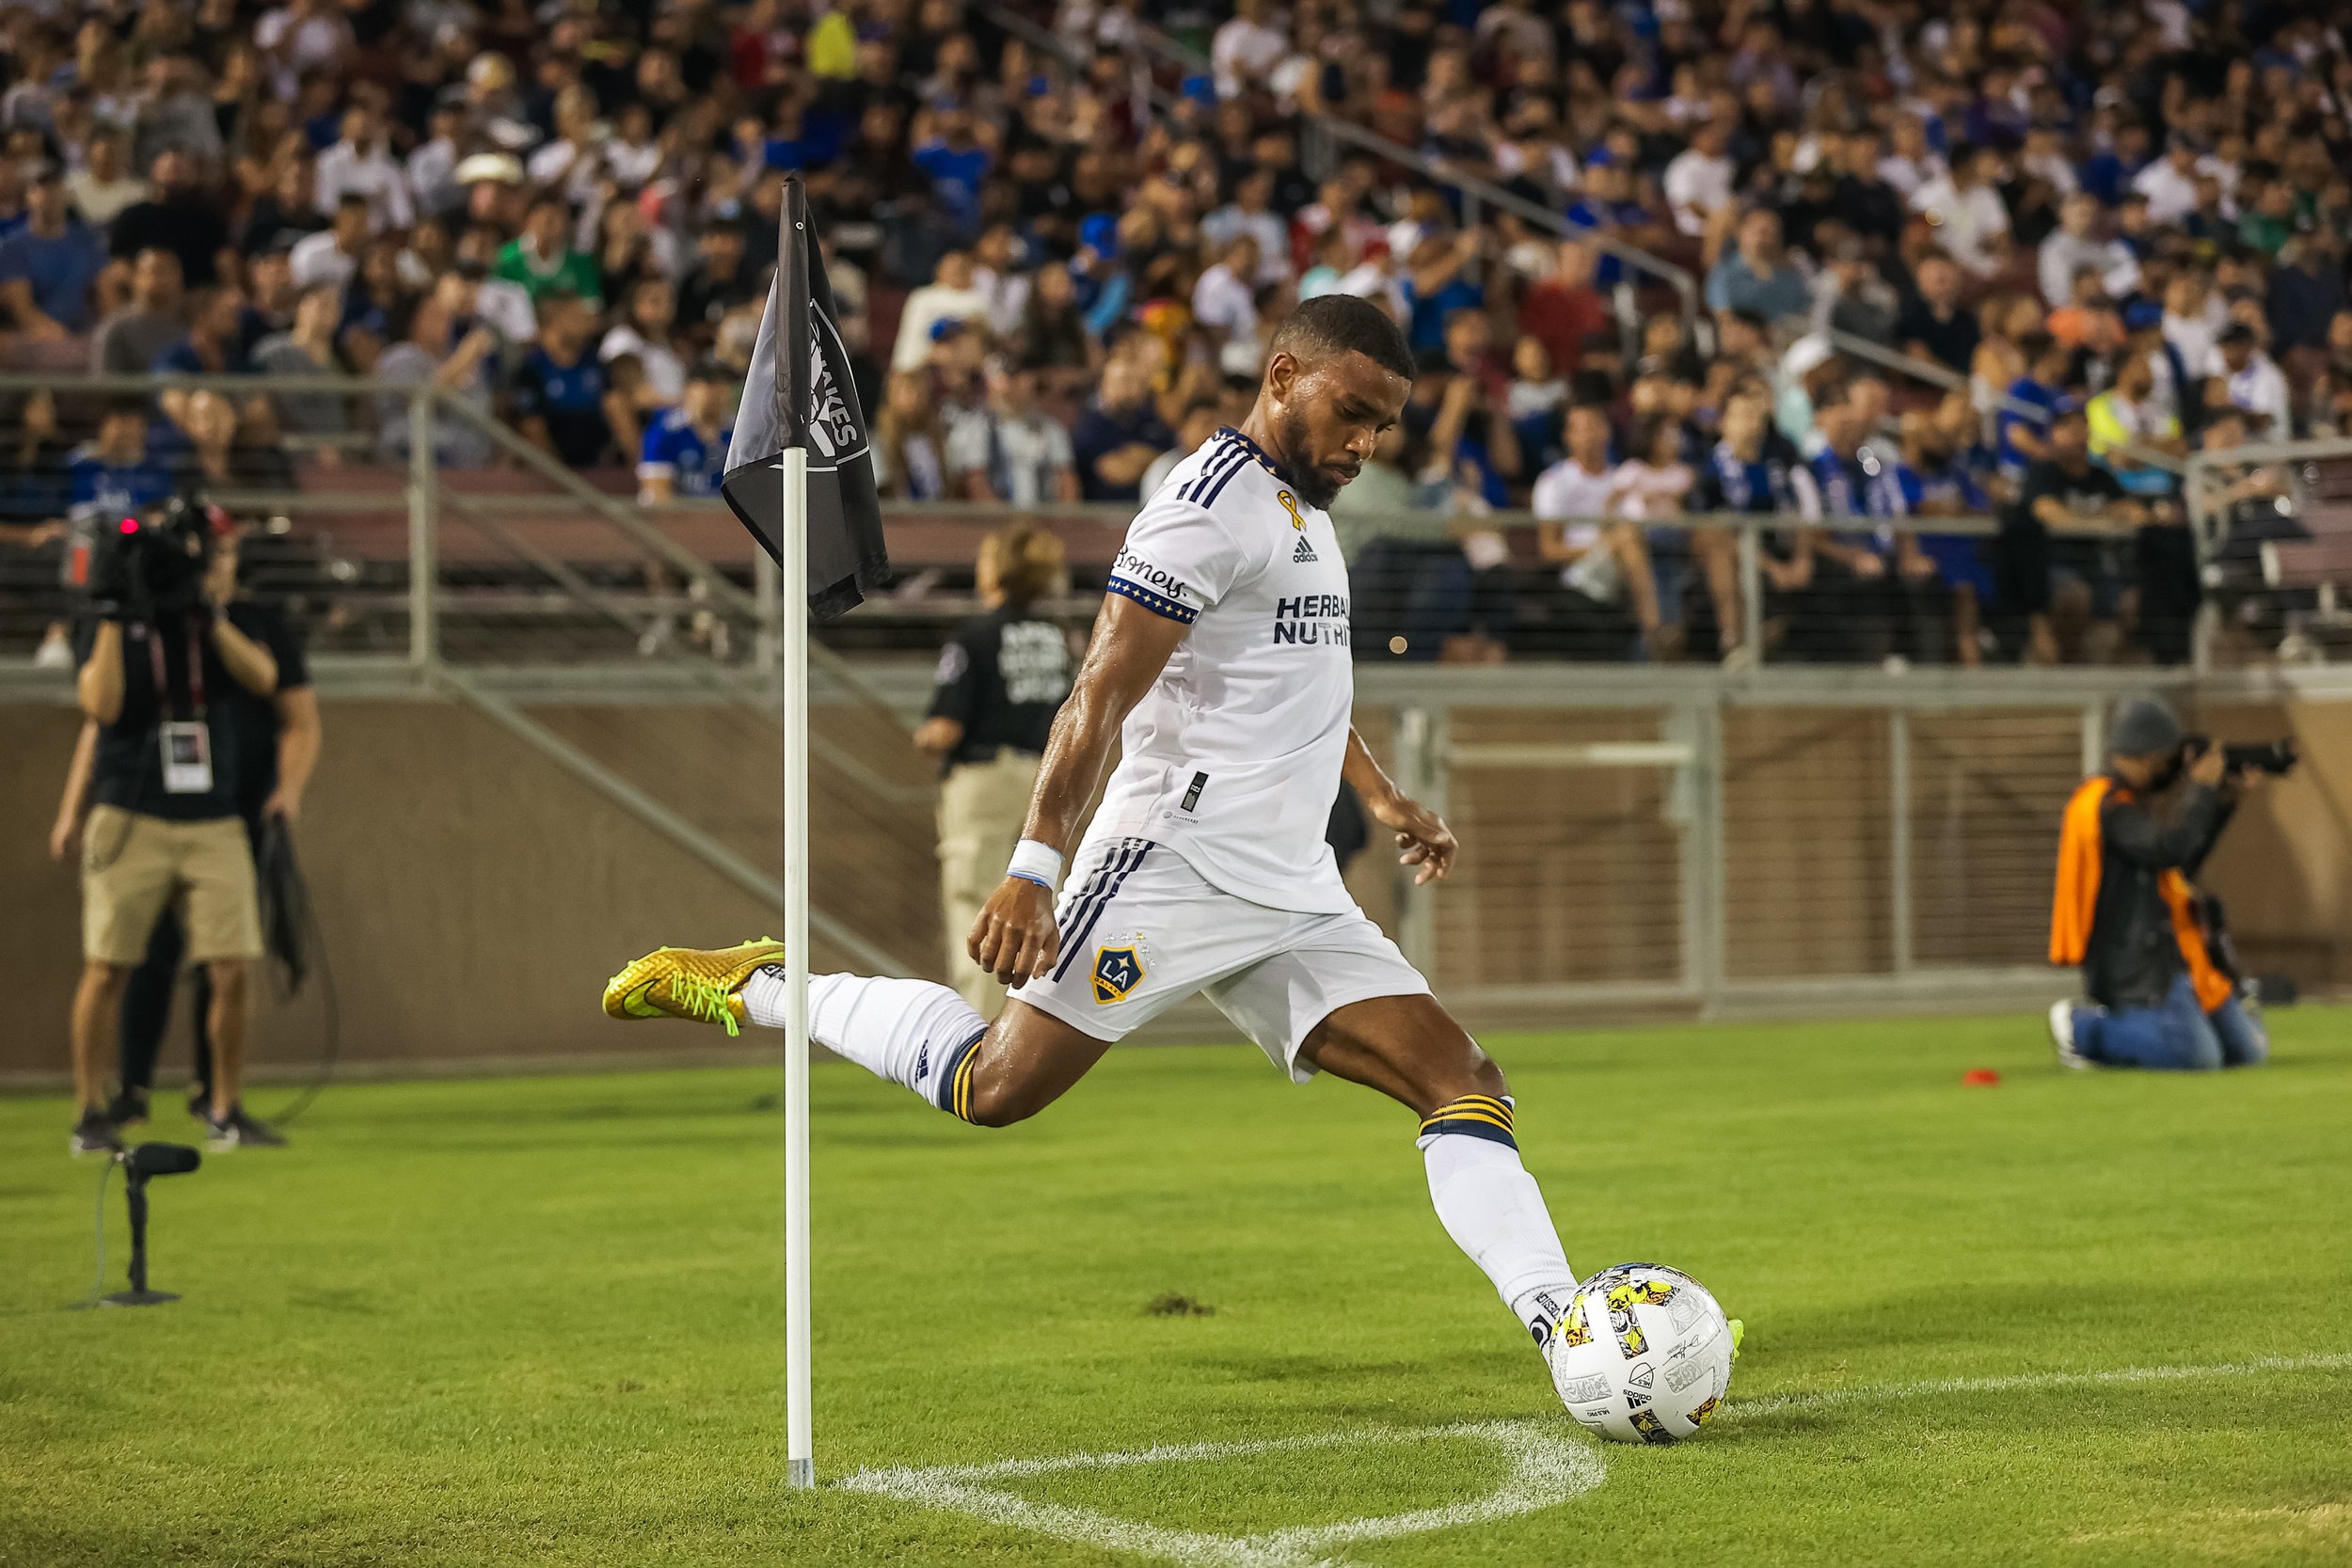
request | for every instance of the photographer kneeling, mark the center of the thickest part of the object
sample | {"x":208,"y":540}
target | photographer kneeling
{"x":2126,"y":911}
{"x":164,"y":827}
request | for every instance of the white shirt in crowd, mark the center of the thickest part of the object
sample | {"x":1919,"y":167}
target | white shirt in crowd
{"x":1244,"y":50}
{"x":1273,"y":235}
{"x":2192,"y":339}
{"x":1908,"y":175}
{"x":312,"y":44}
{"x":926,"y":307}
{"x":506,"y":307}
{"x":344,"y":170}
{"x":1568,"y":489}
{"x":1008,"y":296}
{"x":315,"y":260}
{"x":1640,"y":492}
{"x":99,"y":200}
{"x":2063,"y":255}
{"x":2171,"y":195}
{"x":1969,"y":225}
{"x":433,"y":174}
{"x":563,"y":162}
{"x":2260,"y":393}
{"x":1225,"y":302}
{"x":1231,"y":757}
{"x":631,"y":163}
{"x":1698,"y":186}
{"x":1024,"y":456}
{"x":665,"y":373}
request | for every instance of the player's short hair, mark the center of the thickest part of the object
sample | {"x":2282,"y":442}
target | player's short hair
{"x":1330,"y":325}
{"x":1027,"y":561}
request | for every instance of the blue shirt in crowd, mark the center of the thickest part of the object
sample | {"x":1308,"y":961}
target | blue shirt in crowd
{"x":2024,"y":389}
{"x":115,"y":489}
{"x":61,"y":269}
{"x":674,"y":447}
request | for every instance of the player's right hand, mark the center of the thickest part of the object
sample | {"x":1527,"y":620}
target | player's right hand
{"x":1015,"y":938}
{"x":2208,"y":768}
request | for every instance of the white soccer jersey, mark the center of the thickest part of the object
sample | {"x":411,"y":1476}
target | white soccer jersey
{"x":1232,"y":758}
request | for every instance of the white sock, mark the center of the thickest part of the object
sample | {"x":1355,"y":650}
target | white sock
{"x":1494,"y":1213}
{"x":916,"y":1033}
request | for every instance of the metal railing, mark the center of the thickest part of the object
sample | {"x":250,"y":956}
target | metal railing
{"x":1676,"y":836}
{"x":525,"y":561}
{"x":2297,"y":562}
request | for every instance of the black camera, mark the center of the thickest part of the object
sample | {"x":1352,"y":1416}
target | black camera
{"x":2275,"y":757}
{"x":151,"y":564}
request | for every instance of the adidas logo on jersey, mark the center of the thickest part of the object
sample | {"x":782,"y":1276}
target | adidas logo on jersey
{"x":1305,"y":552}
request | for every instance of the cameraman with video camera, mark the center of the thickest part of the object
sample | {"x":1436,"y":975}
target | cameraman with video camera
{"x":2155,"y":959}
{"x":160,"y":667}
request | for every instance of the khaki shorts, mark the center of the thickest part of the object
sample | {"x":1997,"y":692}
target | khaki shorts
{"x":133,"y":866}
{"x":982,"y":806}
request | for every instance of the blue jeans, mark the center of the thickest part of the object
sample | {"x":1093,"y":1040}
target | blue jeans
{"x":2244,"y":1041}
{"x":2178,"y":1036}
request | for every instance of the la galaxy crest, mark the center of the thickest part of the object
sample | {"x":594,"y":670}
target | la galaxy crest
{"x":1118,"y":970}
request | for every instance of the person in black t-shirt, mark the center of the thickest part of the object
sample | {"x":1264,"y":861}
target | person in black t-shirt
{"x":2061,"y":560}
{"x":277,"y":740}
{"x":562,"y":392}
{"x":181,"y":217}
{"x":154,"y":799}
{"x":1936,"y":323}
{"x":998,"y":685}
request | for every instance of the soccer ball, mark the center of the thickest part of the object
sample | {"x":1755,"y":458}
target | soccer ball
{"x":1643,"y":1355}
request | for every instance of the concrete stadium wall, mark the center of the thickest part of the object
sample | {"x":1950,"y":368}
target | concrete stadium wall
{"x":474,"y":895}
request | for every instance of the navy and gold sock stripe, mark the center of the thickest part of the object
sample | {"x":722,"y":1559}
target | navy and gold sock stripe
{"x":955,"y":1079}
{"x":1479,"y":1115}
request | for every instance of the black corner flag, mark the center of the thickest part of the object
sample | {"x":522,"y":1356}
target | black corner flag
{"x":800,"y":394}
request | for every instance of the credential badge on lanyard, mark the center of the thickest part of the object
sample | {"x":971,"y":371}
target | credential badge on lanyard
{"x":187,"y":743}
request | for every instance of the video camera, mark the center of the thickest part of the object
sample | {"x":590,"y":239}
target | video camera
{"x":2275,"y":757}
{"x":153,"y":563}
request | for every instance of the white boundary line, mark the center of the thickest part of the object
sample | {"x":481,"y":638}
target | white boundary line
{"x":1548,"y":1465}
{"x":1778,"y":1404}
{"x":1551,"y":1462}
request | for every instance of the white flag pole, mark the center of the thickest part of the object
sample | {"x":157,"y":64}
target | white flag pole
{"x":800,"y":1442}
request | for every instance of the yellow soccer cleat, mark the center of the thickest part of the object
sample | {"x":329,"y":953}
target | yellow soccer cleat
{"x":689,"y":983}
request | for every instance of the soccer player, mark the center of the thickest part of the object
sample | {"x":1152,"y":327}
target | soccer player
{"x":1222,"y":663}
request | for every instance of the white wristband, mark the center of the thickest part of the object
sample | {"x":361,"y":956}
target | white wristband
{"x":1035,"y":863}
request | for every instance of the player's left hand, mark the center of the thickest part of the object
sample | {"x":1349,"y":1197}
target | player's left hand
{"x":1423,"y":839}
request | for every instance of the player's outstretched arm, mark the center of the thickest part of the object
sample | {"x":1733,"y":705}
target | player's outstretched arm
{"x":1423,"y":839}
{"x":1014,"y":938}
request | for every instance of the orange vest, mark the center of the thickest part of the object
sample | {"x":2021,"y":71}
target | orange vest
{"x":2077,"y":897}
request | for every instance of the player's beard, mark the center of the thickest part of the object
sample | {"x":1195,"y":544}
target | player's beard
{"x":1314,"y":486}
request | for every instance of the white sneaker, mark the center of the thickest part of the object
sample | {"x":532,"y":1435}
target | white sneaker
{"x":54,"y":653}
{"x":2062,"y":1037}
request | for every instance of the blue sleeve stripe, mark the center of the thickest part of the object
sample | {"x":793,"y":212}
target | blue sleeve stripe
{"x":1224,"y":479}
{"x":1159,"y":604}
{"x":1227,"y":461}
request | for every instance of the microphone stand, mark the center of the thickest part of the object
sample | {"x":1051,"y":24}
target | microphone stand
{"x":135,"y":1190}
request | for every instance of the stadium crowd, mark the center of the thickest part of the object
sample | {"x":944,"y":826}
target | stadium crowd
{"x":2120,"y":229}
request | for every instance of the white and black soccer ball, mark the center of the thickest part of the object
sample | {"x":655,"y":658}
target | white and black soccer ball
{"x":1641,"y":1355}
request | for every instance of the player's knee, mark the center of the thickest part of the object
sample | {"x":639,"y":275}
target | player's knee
{"x":1483,"y":1077}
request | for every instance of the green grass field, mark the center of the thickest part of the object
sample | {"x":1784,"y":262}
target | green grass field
{"x":535,"y":1321}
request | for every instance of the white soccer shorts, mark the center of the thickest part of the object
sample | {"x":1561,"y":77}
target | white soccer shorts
{"x":1141,"y":930}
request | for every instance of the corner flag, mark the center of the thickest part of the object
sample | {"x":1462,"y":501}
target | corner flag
{"x":800,"y":394}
